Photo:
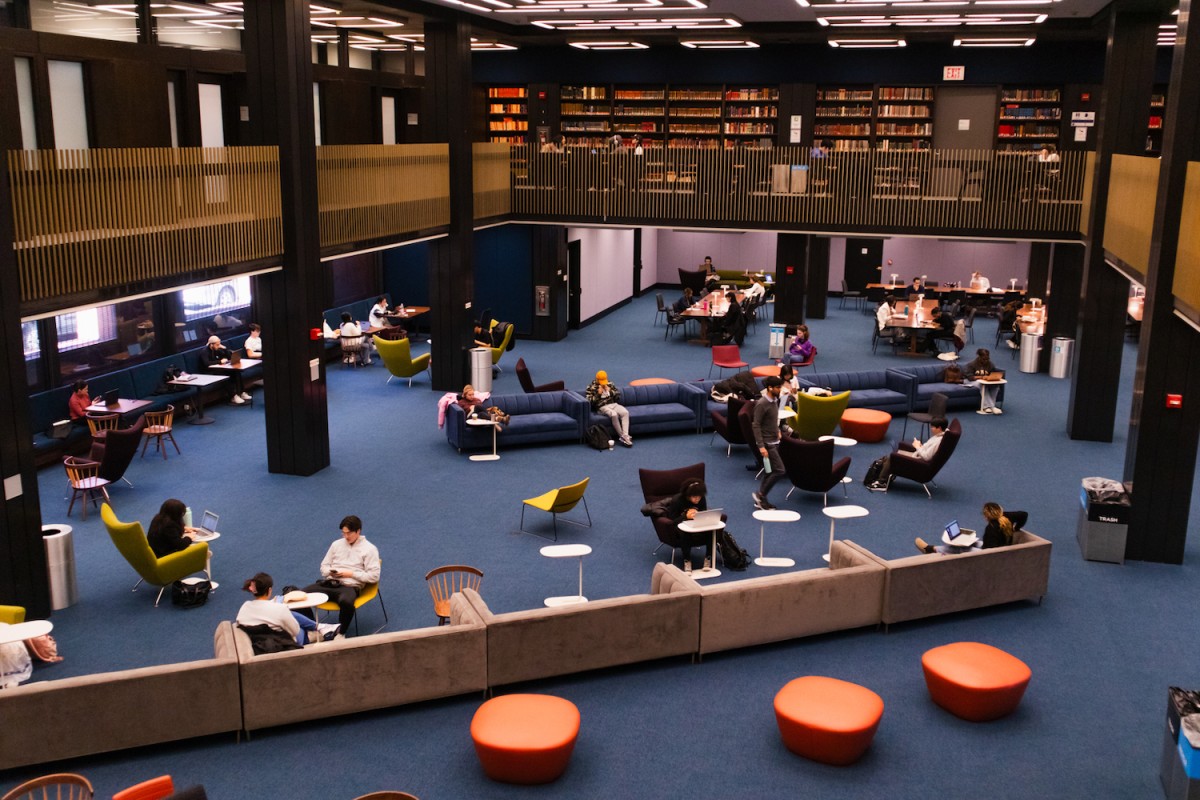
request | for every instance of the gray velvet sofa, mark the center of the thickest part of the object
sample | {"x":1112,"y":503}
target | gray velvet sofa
{"x":659,"y":408}
{"x":923,"y":586}
{"x":544,"y":642}
{"x":788,"y":605}
{"x":363,"y":672}
{"x":53,"y":720}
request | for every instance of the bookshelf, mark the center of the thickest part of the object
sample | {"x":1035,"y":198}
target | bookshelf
{"x":843,"y":115}
{"x":1029,"y":118}
{"x":694,"y":117}
{"x":585,"y":115}
{"x":751,"y":113}
{"x":903,"y":117}
{"x":640,"y":110}
{"x":508,"y":114}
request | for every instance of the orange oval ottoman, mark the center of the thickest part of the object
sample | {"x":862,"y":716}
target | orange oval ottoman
{"x":975,"y":681}
{"x":865,"y":424}
{"x":765,"y":371}
{"x":826,"y":719}
{"x":525,"y":738}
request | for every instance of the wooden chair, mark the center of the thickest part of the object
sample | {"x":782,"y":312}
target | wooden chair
{"x":153,"y":789}
{"x":445,"y":581}
{"x":387,"y":796}
{"x":100,"y":423}
{"x":61,"y":786}
{"x":85,"y":480}
{"x":158,"y":425}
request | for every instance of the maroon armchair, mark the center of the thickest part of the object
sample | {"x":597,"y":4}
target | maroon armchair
{"x":906,"y":465}
{"x":810,"y":466}
{"x":527,"y":381}
{"x":731,"y":433}
{"x":658,"y":484}
{"x":116,"y":450}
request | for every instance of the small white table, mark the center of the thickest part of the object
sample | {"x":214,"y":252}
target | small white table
{"x":839,"y":441}
{"x":480,"y":422}
{"x":691,"y":526}
{"x":983,"y":387}
{"x":311,"y":600}
{"x":25,"y":630}
{"x":199,"y":382}
{"x":773,"y":515}
{"x":840,"y":512}
{"x":567,"y":551}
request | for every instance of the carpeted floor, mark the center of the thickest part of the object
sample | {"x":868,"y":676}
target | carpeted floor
{"x":1104,"y":645}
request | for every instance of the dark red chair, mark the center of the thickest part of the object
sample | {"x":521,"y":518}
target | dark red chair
{"x":527,"y":381}
{"x":726,"y":356}
{"x":659,"y":484}
{"x":731,"y":433}
{"x":116,"y":450}
{"x":810,"y":466}
{"x":905,"y":465}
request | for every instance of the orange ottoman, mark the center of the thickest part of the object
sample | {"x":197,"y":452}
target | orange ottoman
{"x":975,"y":681}
{"x":865,"y":424}
{"x":525,"y":738}
{"x":826,"y":719}
{"x":767,"y":371}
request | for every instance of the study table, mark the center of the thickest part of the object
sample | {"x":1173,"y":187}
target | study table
{"x":691,"y":526}
{"x":567,"y":551}
{"x":21,"y":631}
{"x":199,"y":382}
{"x":712,"y":305}
{"x":122,"y":406}
{"x":913,"y":324}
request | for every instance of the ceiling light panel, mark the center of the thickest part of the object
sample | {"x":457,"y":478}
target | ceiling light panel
{"x":994,"y":41}
{"x":719,"y":44}
{"x":678,"y":23}
{"x":613,"y":45}
{"x":867,"y":44}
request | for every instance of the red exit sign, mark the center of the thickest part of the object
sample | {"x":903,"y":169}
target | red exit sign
{"x":954,"y":73}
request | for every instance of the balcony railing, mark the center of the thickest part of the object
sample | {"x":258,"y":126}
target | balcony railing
{"x":937,"y":191}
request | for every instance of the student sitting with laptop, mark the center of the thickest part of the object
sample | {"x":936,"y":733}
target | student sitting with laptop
{"x":1001,"y":527}
{"x":982,"y":369}
{"x":685,"y":506}
{"x":168,"y":534}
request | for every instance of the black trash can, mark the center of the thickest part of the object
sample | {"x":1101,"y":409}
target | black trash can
{"x":1103,"y":520}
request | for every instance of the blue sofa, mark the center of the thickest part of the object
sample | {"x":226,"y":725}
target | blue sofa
{"x":706,"y":385}
{"x":660,"y":407}
{"x":929,"y":382}
{"x":886,"y":390}
{"x":540,"y":417}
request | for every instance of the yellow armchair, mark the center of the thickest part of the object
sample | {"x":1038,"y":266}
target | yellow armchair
{"x":559,"y":501}
{"x":397,"y":357}
{"x":13,"y":615}
{"x":131,"y":542}
{"x":817,"y":416}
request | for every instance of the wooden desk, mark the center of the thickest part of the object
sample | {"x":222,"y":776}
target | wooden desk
{"x":247,"y":363}
{"x":717,"y":306}
{"x":409,"y":312}
{"x":199,"y":382}
{"x":913,"y":326}
{"x":123,"y":406}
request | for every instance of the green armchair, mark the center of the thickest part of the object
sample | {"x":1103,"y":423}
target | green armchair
{"x":499,"y":349}
{"x":397,"y":357}
{"x":818,"y":416}
{"x":131,"y":542}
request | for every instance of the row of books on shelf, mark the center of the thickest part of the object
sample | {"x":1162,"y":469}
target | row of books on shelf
{"x":507,"y":108}
{"x":508,"y":124}
{"x":1027,"y":112}
{"x":890,"y":110}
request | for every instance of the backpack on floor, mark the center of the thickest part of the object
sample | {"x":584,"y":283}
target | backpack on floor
{"x":597,"y":437}
{"x":732,"y":556}
{"x":873,"y":471}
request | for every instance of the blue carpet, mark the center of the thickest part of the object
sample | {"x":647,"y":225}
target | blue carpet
{"x":1103,"y":646}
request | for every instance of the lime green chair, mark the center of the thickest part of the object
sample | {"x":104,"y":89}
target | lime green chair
{"x":131,"y":542}
{"x":13,"y":615}
{"x":559,"y":501}
{"x":499,"y":349}
{"x":397,"y":357}
{"x":818,"y":416}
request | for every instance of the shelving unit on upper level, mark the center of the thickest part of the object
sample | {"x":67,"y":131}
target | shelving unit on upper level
{"x":694,"y":117}
{"x":508,"y":114}
{"x":585,"y":113}
{"x":1158,"y":107}
{"x":844,"y":115}
{"x":640,"y":111}
{"x":1029,"y":118}
{"x":751,"y":114}
{"x":903,"y":117}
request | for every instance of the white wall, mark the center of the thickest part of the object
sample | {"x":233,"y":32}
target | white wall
{"x":944,"y":261}
{"x":752,"y":250}
{"x":649,"y":257}
{"x":605,"y":268}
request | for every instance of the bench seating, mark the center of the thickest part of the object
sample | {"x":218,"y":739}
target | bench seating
{"x":659,"y":408}
{"x":539,"y":417}
{"x":929,"y":383}
{"x":886,"y":390}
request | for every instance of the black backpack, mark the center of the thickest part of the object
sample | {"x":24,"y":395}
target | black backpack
{"x":597,"y":437}
{"x":873,"y":471}
{"x":732,"y":556}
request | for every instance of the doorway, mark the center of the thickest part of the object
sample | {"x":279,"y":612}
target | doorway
{"x":574,"y":256}
{"x":863,"y":259}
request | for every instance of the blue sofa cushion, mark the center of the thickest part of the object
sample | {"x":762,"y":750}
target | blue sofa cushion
{"x":542,"y":422}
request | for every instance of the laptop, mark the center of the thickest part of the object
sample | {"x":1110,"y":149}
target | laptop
{"x":207,"y":529}
{"x":958,"y":537}
{"x":707,"y":518}
{"x":112,"y":397}
{"x":992,"y":376}
{"x":235,"y":358}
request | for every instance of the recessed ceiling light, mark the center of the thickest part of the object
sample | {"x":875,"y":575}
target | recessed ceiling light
{"x":614,"y":45}
{"x":719,"y":44}
{"x":492,"y":46}
{"x":994,"y":41}
{"x":867,"y":44}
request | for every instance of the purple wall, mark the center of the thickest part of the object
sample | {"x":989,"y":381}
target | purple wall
{"x":942,"y":260}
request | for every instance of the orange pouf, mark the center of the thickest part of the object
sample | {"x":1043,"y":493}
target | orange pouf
{"x":525,"y":738}
{"x":975,"y":681}
{"x":767,"y":371}
{"x":865,"y":424}
{"x":826,"y":719}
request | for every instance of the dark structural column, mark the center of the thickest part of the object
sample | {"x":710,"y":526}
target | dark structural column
{"x":791,"y":277}
{"x":23,"y":578}
{"x":279,"y":71}
{"x":1160,"y":460}
{"x":818,"y":277}
{"x":447,"y":118}
{"x":1128,"y":83}
{"x":1063,"y":285}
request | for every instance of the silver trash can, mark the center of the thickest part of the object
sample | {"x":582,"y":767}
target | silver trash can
{"x":1031,"y":349}
{"x":481,"y":369}
{"x":1062,"y":354}
{"x":60,"y":566}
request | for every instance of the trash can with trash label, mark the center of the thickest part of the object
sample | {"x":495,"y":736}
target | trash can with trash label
{"x":60,"y":566}
{"x":1103,"y":520}
{"x":1062,"y":353}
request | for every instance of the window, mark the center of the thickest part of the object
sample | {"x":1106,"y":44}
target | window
{"x":82,"y":328}
{"x":218,"y":308}
{"x":94,"y":21}
{"x":29,"y":336}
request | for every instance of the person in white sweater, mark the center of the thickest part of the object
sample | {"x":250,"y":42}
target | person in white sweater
{"x":262,"y":610}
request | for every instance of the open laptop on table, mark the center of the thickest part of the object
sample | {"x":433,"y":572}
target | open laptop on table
{"x":707,"y":519}
{"x":112,"y":397}
{"x":207,"y":529}
{"x":955,"y":536}
{"x":235,"y":358}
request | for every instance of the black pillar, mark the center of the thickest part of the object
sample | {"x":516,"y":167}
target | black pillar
{"x":548,"y":245}
{"x":279,"y":71}
{"x":1063,"y":285}
{"x":1160,"y":459}
{"x":446,"y":110}
{"x":818,"y":277}
{"x":1039,"y":269}
{"x":791,"y":277}
{"x":1129,"y":81}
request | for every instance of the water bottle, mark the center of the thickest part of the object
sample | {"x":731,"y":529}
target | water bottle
{"x":187,"y":517}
